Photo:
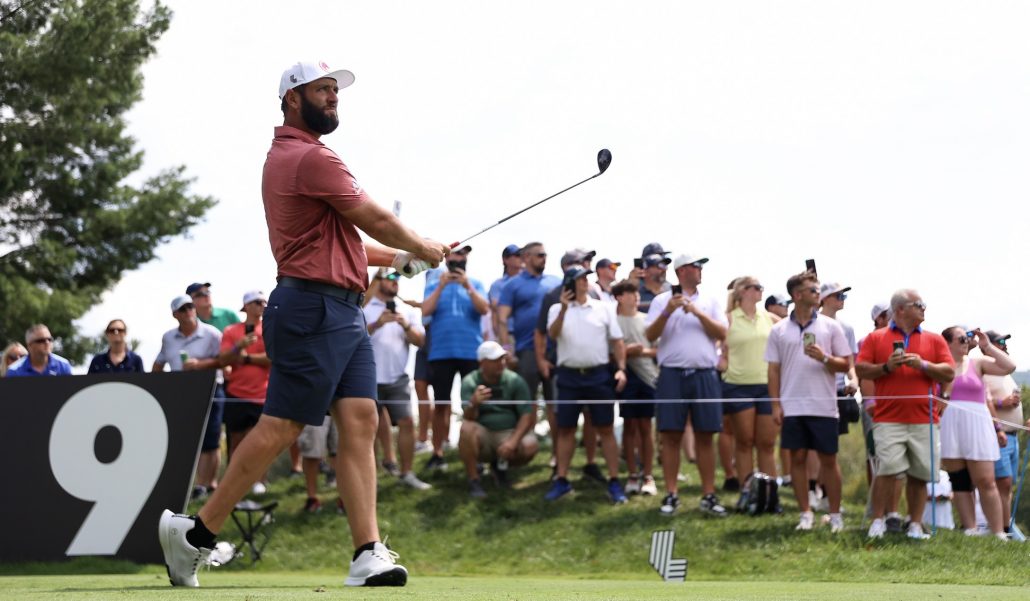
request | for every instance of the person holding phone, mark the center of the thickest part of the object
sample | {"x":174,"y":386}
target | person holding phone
{"x":969,"y":438}
{"x":687,"y":325}
{"x":394,"y":328}
{"x":905,"y":376}
{"x":243,"y":348}
{"x":804,"y":352}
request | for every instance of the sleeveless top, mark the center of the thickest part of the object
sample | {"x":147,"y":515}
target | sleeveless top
{"x":967,"y":386}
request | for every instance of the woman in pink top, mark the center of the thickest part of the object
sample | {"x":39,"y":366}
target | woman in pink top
{"x":969,"y":437}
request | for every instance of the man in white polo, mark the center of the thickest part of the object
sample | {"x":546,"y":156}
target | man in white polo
{"x":804,"y":353}
{"x":687,"y":325}
{"x":584,"y":329}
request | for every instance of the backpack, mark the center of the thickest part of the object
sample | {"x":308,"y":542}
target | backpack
{"x":763,"y":495}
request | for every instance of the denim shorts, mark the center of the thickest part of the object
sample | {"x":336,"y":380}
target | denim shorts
{"x":676,"y":383}
{"x":320,"y":352}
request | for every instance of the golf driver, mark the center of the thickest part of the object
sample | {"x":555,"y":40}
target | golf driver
{"x":604,"y":158}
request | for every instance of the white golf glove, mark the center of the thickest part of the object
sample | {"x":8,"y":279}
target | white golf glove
{"x":408,"y":264}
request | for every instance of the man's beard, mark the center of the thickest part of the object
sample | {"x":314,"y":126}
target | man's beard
{"x":317,"y":119}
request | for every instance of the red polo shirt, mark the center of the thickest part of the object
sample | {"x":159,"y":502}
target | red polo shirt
{"x":904,"y":381}
{"x":304,"y":187}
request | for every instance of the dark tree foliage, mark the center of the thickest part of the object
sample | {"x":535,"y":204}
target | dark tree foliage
{"x":70,"y":224}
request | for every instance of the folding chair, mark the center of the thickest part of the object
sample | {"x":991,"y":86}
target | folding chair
{"x":251,"y":518}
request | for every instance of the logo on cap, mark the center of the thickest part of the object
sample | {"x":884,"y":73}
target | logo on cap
{"x":324,"y":66}
{"x":293,"y":78}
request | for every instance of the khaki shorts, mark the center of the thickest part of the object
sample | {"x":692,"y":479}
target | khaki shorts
{"x":489,"y":440}
{"x":316,"y":442}
{"x":905,"y":448}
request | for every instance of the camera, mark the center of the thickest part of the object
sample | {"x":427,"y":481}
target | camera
{"x":454,"y":266}
{"x":899,"y":347}
{"x":391,"y":306}
{"x":248,"y":329}
{"x":638,"y":263}
{"x":677,"y":289}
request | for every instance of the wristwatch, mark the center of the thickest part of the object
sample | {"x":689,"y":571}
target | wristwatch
{"x":826,"y":359}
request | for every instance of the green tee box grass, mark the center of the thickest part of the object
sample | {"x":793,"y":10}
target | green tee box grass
{"x":315,"y":586}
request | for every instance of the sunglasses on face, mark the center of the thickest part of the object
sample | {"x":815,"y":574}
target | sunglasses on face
{"x":918,"y":305}
{"x":541,"y":255}
{"x":757,"y":287}
{"x":44,"y":340}
{"x":115,"y":330}
{"x":962,"y":340}
{"x":841,"y":296}
{"x":186,"y":307}
{"x":12,"y":357}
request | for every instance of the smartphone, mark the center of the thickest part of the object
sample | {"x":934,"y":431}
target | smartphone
{"x":638,"y":263}
{"x":570,"y":285}
{"x":452,"y":266}
{"x":899,"y":347}
{"x":808,"y":339}
{"x":495,"y":393}
{"x":810,"y":265}
{"x":248,"y":329}
{"x":391,"y":306}
{"x":677,"y":289}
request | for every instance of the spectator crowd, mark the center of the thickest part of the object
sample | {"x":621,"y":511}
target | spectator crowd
{"x":689,"y":375}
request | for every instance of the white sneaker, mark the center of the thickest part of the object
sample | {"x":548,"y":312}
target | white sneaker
{"x":632,"y":485}
{"x":411,"y":480}
{"x":806,"y":521}
{"x":878,"y":528}
{"x":836,"y":523}
{"x":915,"y":530}
{"x":649,"y":488}
{"x":422,"y":447}
{"x":181,"y":558}
{"x":376,"y":568}
{"x":259,"y":488}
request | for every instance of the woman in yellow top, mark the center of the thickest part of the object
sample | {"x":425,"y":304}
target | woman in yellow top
{"x":745,"y":376}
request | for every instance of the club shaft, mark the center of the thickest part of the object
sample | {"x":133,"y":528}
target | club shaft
{"x":517,"y":213}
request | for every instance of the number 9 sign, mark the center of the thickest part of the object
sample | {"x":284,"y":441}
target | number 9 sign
{"x":119,"y":486}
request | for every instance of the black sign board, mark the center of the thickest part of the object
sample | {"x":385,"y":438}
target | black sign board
{"x":90,"y":462}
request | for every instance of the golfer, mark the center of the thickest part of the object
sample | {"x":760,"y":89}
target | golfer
{"x":314,"y":328}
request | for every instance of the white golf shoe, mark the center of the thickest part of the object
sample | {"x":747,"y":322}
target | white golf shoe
{"x":181,"y":558}
{"x":376,"y":567}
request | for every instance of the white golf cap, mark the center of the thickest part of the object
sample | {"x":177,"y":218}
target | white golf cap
{"x":831,"y":289}
{"x":252,"y":296}
{"x":179,"y":301}
{"x":490,"y":350}
{"x":879,"y":309}
{"x":302,"y":73}
{"x":687,"y":259}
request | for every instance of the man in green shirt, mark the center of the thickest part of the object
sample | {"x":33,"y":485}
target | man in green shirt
{"x":219,"y":317}
{"x":494,"y":428}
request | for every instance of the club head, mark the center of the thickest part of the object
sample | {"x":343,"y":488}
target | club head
{"x":604,"y":158}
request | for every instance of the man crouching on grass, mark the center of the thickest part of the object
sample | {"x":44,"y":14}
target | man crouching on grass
{"x":314,"y":328}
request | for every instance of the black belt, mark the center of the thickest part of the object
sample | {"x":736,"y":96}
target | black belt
{"x":349,"y":296}
{"x":583,"y":370}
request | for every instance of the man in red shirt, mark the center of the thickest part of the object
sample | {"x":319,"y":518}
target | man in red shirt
{"x":314,"y":328}
{"x":906,"y":364}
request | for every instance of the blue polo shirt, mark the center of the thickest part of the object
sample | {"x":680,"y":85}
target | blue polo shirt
{"x":56,"y":366}
{"x":102,"y":364}
{"x":456,"y":324}
{"x":523,"y":293}
{"x":495,"y":294}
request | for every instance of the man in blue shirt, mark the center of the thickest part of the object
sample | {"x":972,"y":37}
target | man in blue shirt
{"x":41,"y":360}
{"x":520,"y":300}
{"x":511,"y":259}
{"x":456,"y":304}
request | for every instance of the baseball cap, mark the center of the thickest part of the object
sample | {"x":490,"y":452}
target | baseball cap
{"x":304,"y":72}
{"x":830,"y":289}
{"x":572,"y":256}
{"x":587,"y":254}
{"x":686,"y":259}
{"x":490,"y":350}
{"x":576,"y":272}
{"x":653,"y":249}
{"x":878,"y":309}
{"x":511,"y":249}
{"x":652,"y":260}
{"x":607,"y":262}
{"x":778,"y":299}
{"x":196,"y":286}
{"x":997,"y":338}
{"x":252,"y":296}
{"x":464,"y":250}
{"x":181,"y":300}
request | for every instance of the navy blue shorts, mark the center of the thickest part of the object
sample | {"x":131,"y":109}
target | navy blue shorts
{"x":675,"y":383}
{"x":320,"y":352}
{"x":422,"y":360}
{"x":818,"y":434}
{"x":636,"y":390}
{"x":595,"y":384}
{"x":746,"y":391}
{"x":213,"y":427}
